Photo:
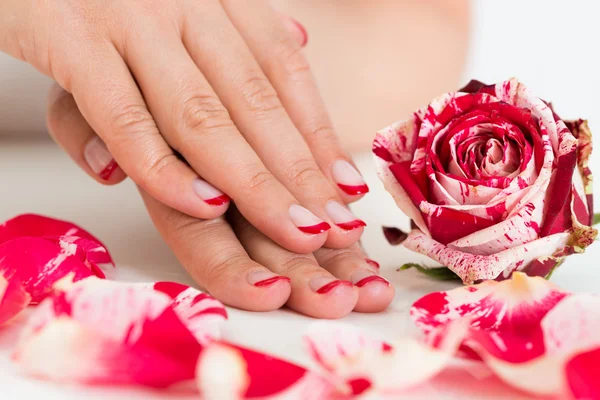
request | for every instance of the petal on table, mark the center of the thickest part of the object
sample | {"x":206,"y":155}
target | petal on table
{"x":229,"y":372}
{"x":472,"y":268}
{"x":105,"y":332}
{"x":37,"y":263}
{"x":370,"y":366}
{"x":516,"y":305}
{"x":202,"y":314}
{"x":41,"y":226}
{"x":582,"y":373}
{"x":13,"y":299}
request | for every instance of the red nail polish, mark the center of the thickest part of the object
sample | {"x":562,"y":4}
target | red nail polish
{"x":348,"y":226}
{"x":218,"y":201}
{"x":315,"y":229}
{"x":270,"y":281}
{"x":371,"y":278}
{"x":372,"y":263}
{"x":108,"y":170}
{"x":354,"y":190}
{"x":331,"y":285}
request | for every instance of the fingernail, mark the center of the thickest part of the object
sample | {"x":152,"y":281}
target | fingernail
{"x":265,"y":278}
{"x":297,"y":29}
{"x":342,"y":217}
{"x":324,"y":284}
{"x":99,"y":159}
{"x":372,"y":263}
{"x":306,"y":221}
{"x":361,"y":277}
{"x":348,"y":178}
{"x":210,"y":194}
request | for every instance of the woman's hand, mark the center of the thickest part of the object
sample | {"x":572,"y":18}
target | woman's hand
{"x":239,"y":265}
{"x":222,"y":83}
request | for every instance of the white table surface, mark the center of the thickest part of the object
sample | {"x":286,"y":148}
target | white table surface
{"x":39,"y":177}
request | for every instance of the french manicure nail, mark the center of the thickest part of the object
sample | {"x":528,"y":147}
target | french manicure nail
{"x":306,"y":221}
{"x":297,"y":29}
{"x":99,"y":159}
{"x":210,"y":194}
{"x":265,"y":278}
{"x":361,"y":277}
{"x":324,"y":284}
{"x":342,"y":217}
{"x":348,"y":178}
{"x":373,"y":263}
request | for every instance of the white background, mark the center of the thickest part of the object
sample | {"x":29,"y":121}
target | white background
{"x":550,"y":45}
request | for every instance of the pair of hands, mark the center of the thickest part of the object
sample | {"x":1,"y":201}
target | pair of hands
{"x":182,"y":93}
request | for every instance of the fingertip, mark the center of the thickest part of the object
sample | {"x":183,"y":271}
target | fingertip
{"x":375,"y":296}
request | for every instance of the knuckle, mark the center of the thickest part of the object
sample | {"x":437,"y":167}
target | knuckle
{"x":321,"y":133}
{"x":204,"y":113}
{"x":132,"y":119}
{"x":260,"y":180}
{"x":298,"y":263}
{"x":302,"y":172}
{"x":154,"y":167}
{"x":261,"y":97}
{"x":222,"y":266}
{"x":333,"y":256}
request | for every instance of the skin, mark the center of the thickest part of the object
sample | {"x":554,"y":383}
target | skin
{"x":174,"y":113}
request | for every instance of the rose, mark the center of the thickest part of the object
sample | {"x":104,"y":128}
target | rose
{"x":493,"y":180}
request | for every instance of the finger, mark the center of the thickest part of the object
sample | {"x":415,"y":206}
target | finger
{"x":196,"y":124}
{"x":352,"y":264}
{"x":71,"y":131}
{"x":281,"y":58}
{"x":108,"y":98}
{"x":254,"y":106}
{"x":213,"y":256}
{"x":315,"y":292}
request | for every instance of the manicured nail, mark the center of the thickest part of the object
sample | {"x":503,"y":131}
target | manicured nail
{"x":324,"y":284}
{"x":348,"y":178}
{"x":342,"y":217}
{"x":265,"y":278}
{"x":306,"y":221}
{"x":297,"y":29}
{"x":373,"y":263}
{"x":361,"y":277}
{"x":210,"y":194}
{"x":99,"y":159}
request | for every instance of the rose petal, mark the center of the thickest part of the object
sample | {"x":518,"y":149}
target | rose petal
{"x":582,"y":373}
{"x":13,"y":299}
{"x":37,"y":263}
{"x":472,"y":268}
{"x":100,"y":332}
{"x":370,"y":366}
{"x":229,"y":372}
{"x":40,"y":226}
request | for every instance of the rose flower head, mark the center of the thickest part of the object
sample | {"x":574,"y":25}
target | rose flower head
{"x":493,"y":180}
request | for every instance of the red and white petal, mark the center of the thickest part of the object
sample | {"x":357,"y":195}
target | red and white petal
{"x":229,"y":372}
{"x":127,"y":333}
{"x":13,"y":299}
{"x":37,"y":263}
{"x":393,"y":145}
{"x":202,"y":314}
{"x":40,"y":226}
{"x":515,"y":305}
{"x":582,"y":373}
{"x":369,"y":366}
{"x":472,"y":268}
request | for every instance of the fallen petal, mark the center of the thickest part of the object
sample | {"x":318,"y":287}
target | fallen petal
{"x":13,"y":299}
{"x":582,"y":373}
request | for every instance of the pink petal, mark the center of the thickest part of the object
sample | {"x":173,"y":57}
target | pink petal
{"x":369,"y":366}
{"x":227,"y":372}
{"x":41,"y":226}
{"x":13,"y":299}
{"x":582,"y":373}
{"x":101,"y":332}
{"x":472,"y":267}
{"x":37,"y":263}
